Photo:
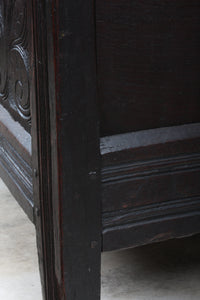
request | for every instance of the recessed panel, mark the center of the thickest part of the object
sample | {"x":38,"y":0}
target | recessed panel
{"x":148,"y":64}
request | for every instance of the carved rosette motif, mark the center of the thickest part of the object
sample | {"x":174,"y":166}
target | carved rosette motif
{"x":15,"y":59}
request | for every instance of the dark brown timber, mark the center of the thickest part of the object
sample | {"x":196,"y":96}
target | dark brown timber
{"x":66,"y":146}
{"x":100,"y":128}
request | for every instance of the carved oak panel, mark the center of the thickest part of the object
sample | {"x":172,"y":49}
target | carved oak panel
{"x":16,"y":59}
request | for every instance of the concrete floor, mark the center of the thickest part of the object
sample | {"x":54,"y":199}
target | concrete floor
{"x":169,"y":270}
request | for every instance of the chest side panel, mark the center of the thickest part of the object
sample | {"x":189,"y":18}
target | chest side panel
{"x":16,"y":95}
{"x":148,"y":64}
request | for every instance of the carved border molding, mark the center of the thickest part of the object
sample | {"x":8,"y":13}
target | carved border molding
{"x":139,"y":170}
{"x":150,"y":213}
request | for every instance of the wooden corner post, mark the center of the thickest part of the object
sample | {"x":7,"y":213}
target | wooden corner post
{"x":65,"y":138}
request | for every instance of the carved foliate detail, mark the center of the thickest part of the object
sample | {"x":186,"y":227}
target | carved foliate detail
{"x":16,"y":59}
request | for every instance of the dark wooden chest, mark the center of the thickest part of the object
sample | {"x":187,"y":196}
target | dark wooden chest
{"x":100,"y":128}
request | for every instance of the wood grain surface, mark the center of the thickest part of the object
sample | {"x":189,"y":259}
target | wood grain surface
{"x":148,"y":64}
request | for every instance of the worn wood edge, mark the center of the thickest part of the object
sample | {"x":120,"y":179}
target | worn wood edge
{"x":42,"y":158}
{"x":17,"y":175}
{"x":56,"y":206}
{"x":155,"y":230}
{"x":145,"y":138}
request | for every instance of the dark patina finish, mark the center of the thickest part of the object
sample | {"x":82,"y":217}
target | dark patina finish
{"x":100,"y":128}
